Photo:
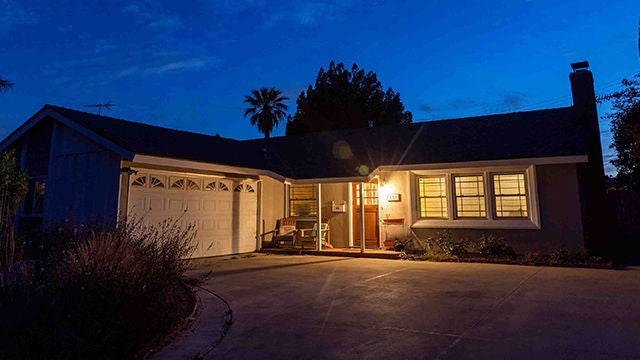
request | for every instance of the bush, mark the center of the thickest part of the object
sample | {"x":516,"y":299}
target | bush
{"x":495,"y":246}
{"x":107,"y":295}
{"x":14,"y":184}
{"x":568,"y":256}
{"x":437,"y":257}
{"x":444,"y":244}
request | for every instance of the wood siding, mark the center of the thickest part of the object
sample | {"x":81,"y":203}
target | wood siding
{"x":83,"y":184}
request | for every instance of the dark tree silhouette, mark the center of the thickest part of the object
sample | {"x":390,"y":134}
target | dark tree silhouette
{"x":5,"y":85}
{"x":266,"y":109}
{"x":625,"y":125}
{"x":342,"y":99}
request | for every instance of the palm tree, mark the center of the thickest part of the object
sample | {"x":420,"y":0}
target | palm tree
{"x":266,"y":109}
{"x":5,"y":85}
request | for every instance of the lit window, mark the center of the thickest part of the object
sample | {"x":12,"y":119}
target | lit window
{"x":469,"y":192}
{"x":370,"y":193}
{"x":433,"y":197}
{"x":510,"y":195}
{"x":303,"y":200}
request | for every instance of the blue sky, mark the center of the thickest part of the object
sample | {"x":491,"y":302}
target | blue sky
{"x":188,"y":64}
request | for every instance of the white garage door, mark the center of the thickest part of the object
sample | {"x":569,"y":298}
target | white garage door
{"x":223,"y":210}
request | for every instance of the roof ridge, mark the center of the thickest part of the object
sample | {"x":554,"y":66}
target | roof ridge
{"x":364,"y":128}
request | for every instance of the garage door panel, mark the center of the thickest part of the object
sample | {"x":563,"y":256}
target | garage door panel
{"x":156,"y":204}
{"x":223,"y":243}
{"x":223,"y":205}
{"x":193,"y":205}
{"x":175,"y":205}
{"x":225,"y":219}
{"x":209,"y":204}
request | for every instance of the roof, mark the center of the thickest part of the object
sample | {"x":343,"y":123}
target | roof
{"x":335,"y":154}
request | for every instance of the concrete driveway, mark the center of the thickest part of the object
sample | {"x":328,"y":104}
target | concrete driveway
{"x":308,"y":307}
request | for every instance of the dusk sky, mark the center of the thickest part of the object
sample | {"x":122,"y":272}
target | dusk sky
{"x":188,"y":64}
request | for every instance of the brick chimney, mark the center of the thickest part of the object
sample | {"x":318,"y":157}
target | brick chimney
{"x":590,"y":174}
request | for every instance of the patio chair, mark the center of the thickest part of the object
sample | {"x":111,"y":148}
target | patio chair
{"x":309,"y":236}
{"x":284,"y":233}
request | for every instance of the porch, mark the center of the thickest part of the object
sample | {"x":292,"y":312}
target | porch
{"x":353,"y":215}
{"x":338,"y":252}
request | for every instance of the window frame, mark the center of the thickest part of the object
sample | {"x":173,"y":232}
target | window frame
{"x":31,"y":197}
{"x":446,"y":196}
{"x":483,"y":196}
{"x":494,"y":196}
{"x":313,"y":199}
{"x":491,"y":221}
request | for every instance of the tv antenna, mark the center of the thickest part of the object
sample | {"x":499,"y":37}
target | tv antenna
{"x":106,"y":105}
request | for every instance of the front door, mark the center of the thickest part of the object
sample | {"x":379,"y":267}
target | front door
{"x":370,"y":214}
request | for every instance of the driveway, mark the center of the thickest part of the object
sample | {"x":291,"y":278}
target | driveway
{"x":308,"y":307}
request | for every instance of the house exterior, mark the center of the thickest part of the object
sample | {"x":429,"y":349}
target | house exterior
{"x":535,"y":178}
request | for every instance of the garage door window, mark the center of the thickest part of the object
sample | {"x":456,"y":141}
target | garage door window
{"x":141,"y":181}
{"x":177,"y":183}
{"x":193,"y":184}
{"x":215,"y":185}
{"x":157,"y":182}
{"x":243,"y":188}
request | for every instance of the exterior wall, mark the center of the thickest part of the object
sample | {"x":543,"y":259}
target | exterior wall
{"x":559,"y":208}
{"x":83,"y":182}
{"x":273,"y":203}
{"x":395,"y":216}
{"x":33,"y":152}
{"x":338,"y":221}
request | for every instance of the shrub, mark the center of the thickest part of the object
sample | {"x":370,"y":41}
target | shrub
{"x":106,"y":295}
{"x":444,"y":244}
{"x":495,"y":246}
{"x":533,"y":259}
{"x":14,"y":184}
{"x":437,"y":257}
{"x":568,"y":256}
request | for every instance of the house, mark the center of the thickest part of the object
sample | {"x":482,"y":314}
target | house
{"x":535,"y":178}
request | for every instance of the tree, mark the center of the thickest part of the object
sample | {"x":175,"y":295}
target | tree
{"x":625,"y":125}
{"x":14,"y":184}
{"x":5,"y":85}
{"x":342,"y":99}
{"x":267,"y":109}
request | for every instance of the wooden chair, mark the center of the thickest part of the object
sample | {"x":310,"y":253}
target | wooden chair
{"x":284,"y":233}
{"x":309,"y":236}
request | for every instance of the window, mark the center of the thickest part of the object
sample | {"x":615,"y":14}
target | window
{"x":211,"y":185}
{"x":469,"y":193}
{"x":432,"y":192}
{"x":491,"y":198}
{"x":510,"y":196}
{"x":157,"y":181}
{"x":177,"y":183}
{"x":370,"y":193}
{"x":193,"y":184}
{"x":140,"y":181}
{"x":303,"y":200}
{"x":34,"y":202}
{"x":244,"y":188}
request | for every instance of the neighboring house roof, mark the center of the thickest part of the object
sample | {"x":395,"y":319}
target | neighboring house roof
{"x":335,"y":154}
